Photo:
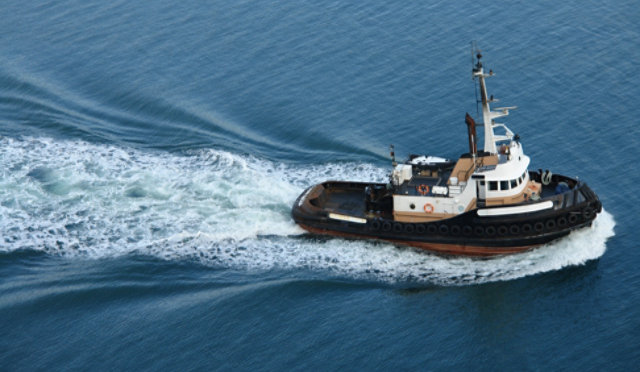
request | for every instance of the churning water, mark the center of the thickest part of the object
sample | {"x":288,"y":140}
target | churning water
{"x":150,"y":153}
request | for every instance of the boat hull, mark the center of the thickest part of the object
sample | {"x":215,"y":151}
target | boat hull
{"x":468,"y":234}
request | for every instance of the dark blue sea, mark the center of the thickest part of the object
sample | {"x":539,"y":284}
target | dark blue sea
{"x":150,"y":152}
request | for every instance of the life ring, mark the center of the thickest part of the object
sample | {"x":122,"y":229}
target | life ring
{"x":428,"y":208}
{"x":423,"y":189}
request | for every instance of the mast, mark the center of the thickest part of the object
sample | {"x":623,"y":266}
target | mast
{"x":490,"y":138}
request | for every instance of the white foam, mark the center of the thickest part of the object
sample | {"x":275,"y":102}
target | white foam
{"x":78,"y":199}
{"x":73,"y":196}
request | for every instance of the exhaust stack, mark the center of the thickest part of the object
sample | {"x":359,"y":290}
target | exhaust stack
{"x":471,"y":129}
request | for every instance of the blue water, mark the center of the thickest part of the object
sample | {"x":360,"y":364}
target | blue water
{"x":150,"y":153}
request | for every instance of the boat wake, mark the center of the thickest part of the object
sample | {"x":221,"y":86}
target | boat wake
{"x":78,"y":199}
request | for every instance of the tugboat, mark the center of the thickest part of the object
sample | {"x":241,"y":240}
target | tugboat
{"x":484,"y":204}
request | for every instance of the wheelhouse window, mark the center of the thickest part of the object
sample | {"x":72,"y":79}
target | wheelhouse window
{"x":493,"y":185}
{"x":504,"y":185}
{"x":514,"y":184}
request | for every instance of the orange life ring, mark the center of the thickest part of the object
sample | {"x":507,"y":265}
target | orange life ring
{"x":423,"y":189}
{"x":428,"y":208}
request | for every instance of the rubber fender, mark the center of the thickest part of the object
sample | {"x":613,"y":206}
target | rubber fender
{"x":539,"y":227}
{"x":550,"y":224}
{"x":587,"y":213}
{"x":490,"y":230}
{"x":478,"y":230}
{"x":562,"y":221}
{"x":467,"y":230}
{"x":375,"y":225}
{"x":573,"y":219}
{"x":432,"y":229}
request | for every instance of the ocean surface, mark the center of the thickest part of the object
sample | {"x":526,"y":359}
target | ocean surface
{"x":150,"y":152}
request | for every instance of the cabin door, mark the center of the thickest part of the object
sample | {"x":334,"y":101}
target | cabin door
{"x":481,"y":191}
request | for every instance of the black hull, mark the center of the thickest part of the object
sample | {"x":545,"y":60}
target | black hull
{"x":464,"y":234}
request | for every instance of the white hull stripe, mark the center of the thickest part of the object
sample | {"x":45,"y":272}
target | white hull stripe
{"x":515,"y":210}
{"x":343,"y":217}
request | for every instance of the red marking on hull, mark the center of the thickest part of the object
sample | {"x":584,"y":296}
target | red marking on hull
{"x":452,"y":249}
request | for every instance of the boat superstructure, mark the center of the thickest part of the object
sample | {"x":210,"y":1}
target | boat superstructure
{"x":485,"y":203}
